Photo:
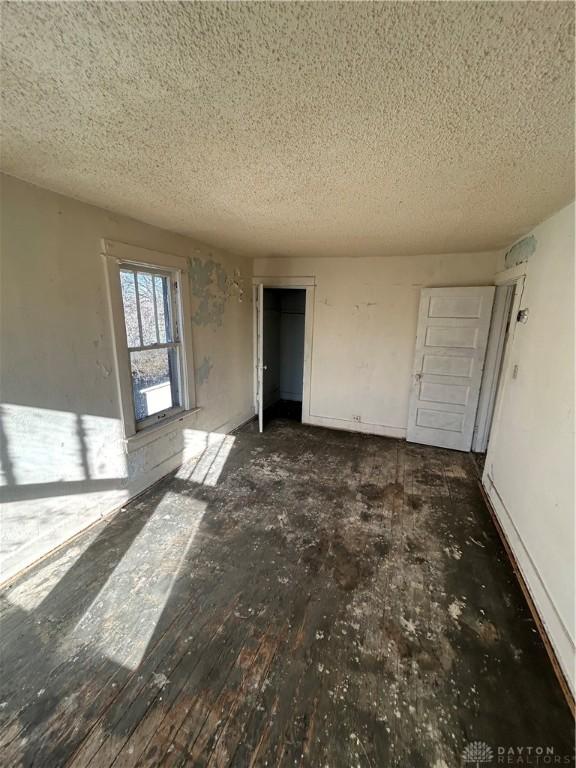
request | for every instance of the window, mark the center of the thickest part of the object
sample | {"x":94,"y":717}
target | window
{"x":149,"y":300}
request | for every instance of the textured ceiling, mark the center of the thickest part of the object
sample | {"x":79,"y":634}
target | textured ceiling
{"x":298,"y":129}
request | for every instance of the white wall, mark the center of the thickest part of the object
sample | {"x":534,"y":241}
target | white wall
{"x":63,"y":457}
{"x":529,"y":472}
{"x":364,"y":330}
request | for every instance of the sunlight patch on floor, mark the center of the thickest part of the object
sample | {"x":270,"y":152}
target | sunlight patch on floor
{"x":31,"y":592}
{"x":206,"y":468}
{"x":127,"y":609}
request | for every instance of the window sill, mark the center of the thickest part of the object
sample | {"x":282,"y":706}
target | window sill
{"x":156,"y":431}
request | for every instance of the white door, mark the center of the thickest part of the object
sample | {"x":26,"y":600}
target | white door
{"x":260,"y":355}
{"x":453,"y":325}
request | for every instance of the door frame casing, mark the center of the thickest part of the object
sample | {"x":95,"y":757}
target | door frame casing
{"x":307,"y":283}
{"x":497,"y":339}
{"x":258,"y":291}
{"x":513,"y":279}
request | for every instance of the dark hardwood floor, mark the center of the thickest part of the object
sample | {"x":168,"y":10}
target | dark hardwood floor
{"x":302,"y":597}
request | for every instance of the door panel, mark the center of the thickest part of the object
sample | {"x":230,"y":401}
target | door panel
{"x":447,"y":366}
{"x":457,"y":306}
{"x":464,"y":338}
{"x":444,"y":393}
{"x":444,"y":420}
{"x":453,"y":326}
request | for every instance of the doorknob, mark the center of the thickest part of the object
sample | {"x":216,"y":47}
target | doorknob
{"x":417,"y":376}
{"x":264,"y":367}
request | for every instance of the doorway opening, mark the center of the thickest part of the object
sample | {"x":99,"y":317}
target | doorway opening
{"x":283,"y":332}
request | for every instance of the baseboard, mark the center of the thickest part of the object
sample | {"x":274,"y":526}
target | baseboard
{"x":31,"y":554}
{"x":242,"y":424}
{"x":355,"y":426}
{"x":236,"y":423}
{"x":554,"y":634}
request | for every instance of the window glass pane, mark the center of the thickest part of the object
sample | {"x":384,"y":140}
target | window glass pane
{"x":154,"y":381}
{"x":147,"y":317}
{"x":129,"y":301}
{"x":162,"y":286}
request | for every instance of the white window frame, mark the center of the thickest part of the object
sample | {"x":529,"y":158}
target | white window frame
{"x":118,"y":256}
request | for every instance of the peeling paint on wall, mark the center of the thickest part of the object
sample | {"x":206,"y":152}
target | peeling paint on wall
{"x":104,"y":369}
{"x":520,"y":252}
{"x":211,"y":287}
{"x":203,"y":370}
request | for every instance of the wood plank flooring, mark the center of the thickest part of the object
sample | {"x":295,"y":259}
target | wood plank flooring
{"x":309,"y":598}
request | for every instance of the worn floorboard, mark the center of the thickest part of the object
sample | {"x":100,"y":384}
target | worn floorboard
{"x":321,"y":599}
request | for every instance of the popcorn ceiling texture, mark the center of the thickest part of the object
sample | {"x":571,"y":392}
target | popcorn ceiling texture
{"x":319,"y":129}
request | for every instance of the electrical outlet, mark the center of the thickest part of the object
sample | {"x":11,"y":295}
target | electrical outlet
{"x":356,"y":418}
